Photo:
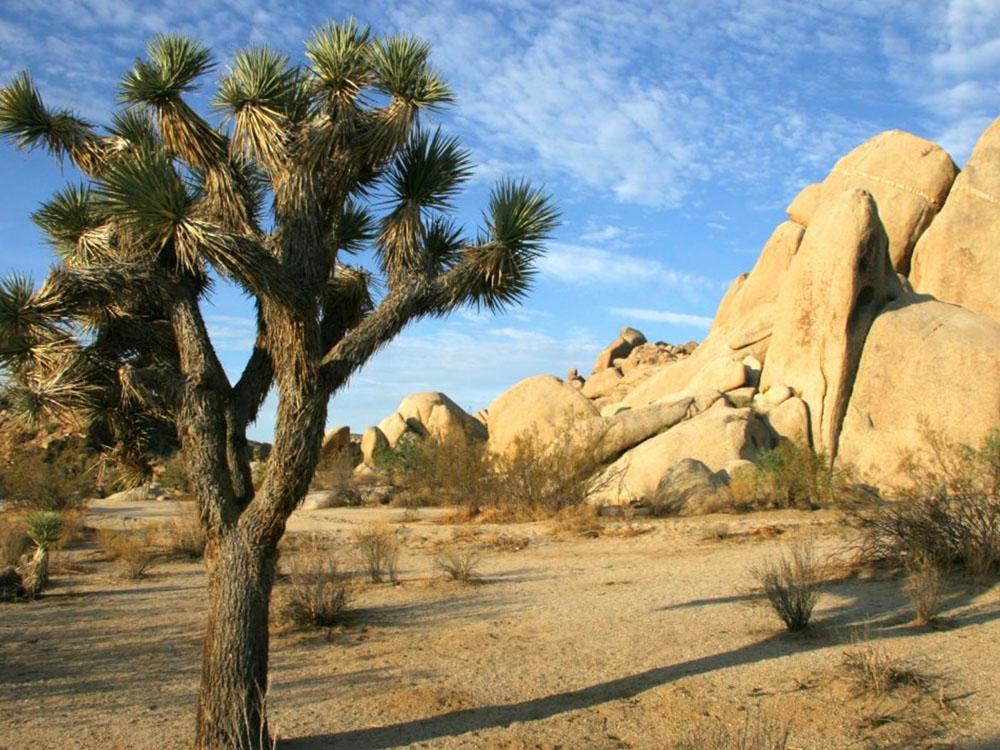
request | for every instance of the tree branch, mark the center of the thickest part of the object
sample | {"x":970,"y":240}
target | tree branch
{"x":201,"y":419}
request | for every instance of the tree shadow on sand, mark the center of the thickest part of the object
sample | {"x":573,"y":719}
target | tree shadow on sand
{"x":878,"y":606}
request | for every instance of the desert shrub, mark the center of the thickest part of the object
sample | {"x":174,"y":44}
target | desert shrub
{"x":173,"y":476}
{"x":949,"y":513}
{"x":535,"y":479}
{"x":184,"y":536}
{"x":791,"y":476}
{"x":459,"y":565}
{"x":430,"y":473}
{"x":379,"y":552}
{"x":333,"y":474}
{"x":314,"y":593}
{"x":923,"y":587}
{"x":790,"y":583}
{"x":531,"y":480}
{"x":754,"y":734}
{"x":578,"y":520}
{"x":874,"y":671}
{"x":28,"y":479}
{"x":74,"y":526}
{"x":13,"y":540}
{"x":132,"y":550}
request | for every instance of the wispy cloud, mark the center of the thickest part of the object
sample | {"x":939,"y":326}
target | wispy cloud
{"x":231,"y":333}
{"x":580,"y":264}
{"x":662,"y":316}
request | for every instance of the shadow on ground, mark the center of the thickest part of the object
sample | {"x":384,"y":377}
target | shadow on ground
{"x":878,"y":607}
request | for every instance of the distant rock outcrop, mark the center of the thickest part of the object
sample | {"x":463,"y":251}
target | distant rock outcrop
{"x":908,"y":177}
{"x":829,"y":341}
{"x":958,"y":259}
{"x":837,"y":283}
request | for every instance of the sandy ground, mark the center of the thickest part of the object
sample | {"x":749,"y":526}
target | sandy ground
{"x":624,"y":641}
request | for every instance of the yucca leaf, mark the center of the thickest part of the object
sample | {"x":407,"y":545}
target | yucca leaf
{"x":402,"y":70}
{"x":23,"y":117}
{"x":144,"y":196}
{"x":428,"y":171}
{"x":443,"y":242}
{"x":134,"y":126}
{"x":25,"y":120}
{"x":353,"y":228}
{"x":520,"y":217}
{"x":173,"y":63}
{"x":262,"y":94}
{"x":340,"y":57}
{"x":66,"y":218}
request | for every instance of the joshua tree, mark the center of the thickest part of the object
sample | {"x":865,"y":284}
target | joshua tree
{"x":169,"y":203}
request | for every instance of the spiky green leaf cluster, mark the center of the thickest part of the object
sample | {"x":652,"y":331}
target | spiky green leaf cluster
{"x":173,"y":64}
{"x":335,"y":149}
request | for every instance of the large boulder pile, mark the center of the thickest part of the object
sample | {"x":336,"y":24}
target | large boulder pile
{"x":870,"y":317}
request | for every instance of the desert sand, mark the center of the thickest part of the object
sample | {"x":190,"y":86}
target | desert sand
{"x":627,"y":640}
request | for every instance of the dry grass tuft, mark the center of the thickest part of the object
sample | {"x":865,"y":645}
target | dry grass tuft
{"x":754,"y":734}
{"x":459,"y":565}
{"x":873,"y":671}
{"x":132,"y":550}
{"x":790,"y":584}
{"x":924,"y":584}
{"x":184,"y":536}
{"x":379,"y":552}
{"x":315,"y":591}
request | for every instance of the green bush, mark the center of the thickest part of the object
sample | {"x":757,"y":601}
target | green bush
{"x":792,"y":476}
{"x":948,"y":515}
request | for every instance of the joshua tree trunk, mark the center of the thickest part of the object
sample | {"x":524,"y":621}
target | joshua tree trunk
{"x":241,"y":560}
{"x":231,"y":710}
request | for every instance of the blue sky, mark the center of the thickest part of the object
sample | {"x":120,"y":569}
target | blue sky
{"x":672,"y":133}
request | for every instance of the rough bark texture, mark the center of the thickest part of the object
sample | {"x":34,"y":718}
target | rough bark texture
{"x":231,"y":700}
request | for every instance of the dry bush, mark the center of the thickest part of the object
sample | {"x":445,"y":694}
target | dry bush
{"x":132,"y":550}
{"x":379,"y":552}
{"x":950,"y":513}
{"x":459,"y":565}
{"x":108,"y":541}
{"x":532,"y":480}
{"x":873,"y":671}
{"x":535,"y":479}
{"x":754,"y":734}
{"x":334,"y":474}
{"x":578,"y":520}
{"x":790,"y":584}
{"x":717,"y":532}
{"x":29,"y":480}
{"x":506,"y":542}
{"x":314,"y":593}
{"x":791,"y":476}
{"x":924,"y":583}
{"x":430,"y":473}
{"x":75,"y":527}
{"x":13,"y":540}
{"x":184,"y":536}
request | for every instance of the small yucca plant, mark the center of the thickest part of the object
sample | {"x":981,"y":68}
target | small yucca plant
{"x":44,"y":528}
